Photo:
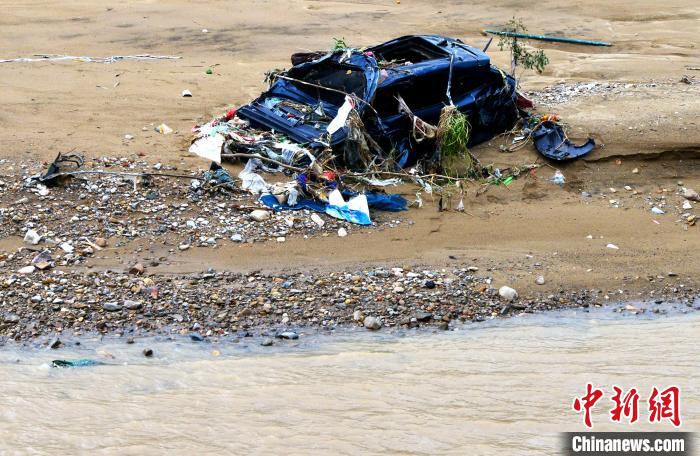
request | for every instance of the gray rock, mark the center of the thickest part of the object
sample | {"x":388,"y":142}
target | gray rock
{"x":111,"y":306}
{"x":691,"y":195}
{"x":32,"y":237}
{"x":266,"y":342}
{"x":539,"y":280}
{"x":290,"y":335}
{"x":11,"y":318}
{"x":132,"y":305}
{"x":373,"y":323}
{"x":423,"y":316}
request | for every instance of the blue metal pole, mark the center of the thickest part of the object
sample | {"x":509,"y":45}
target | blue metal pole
{"x":556,"y":39}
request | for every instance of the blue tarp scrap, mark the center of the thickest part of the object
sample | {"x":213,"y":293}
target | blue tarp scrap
{"x":378,"y":201}
{"x":349,"y":215}
{"x":302,"y":203}
{"x":383,"y":202}
{"x":551,"y":141}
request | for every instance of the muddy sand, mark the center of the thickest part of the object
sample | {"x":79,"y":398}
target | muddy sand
{"x":630,"y":97}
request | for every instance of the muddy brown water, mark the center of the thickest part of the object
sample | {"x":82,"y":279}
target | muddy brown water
{"x":501,"y":387}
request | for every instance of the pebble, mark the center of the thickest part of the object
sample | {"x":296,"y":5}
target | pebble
{"x":260,"y":215}
{"x":147,"y":352}
{"x":137,"y":269}
{"x":539,"y":280}
{"x":111,"y":306}
{"x":11,"y":318}
{"x":132,"y":305}
{"x":27,"y":270}
{"x":196,"y":337}
{"x":290,"y":335}
{"x":32,"y":237}
{"x":342,"y":232}
{"x":317,"y":220}
{"x":66,"y":247}
{"x":372,"y":323}
{"x":237,"y":238}
{"x":691,"y":195}
{"x":267,"y":342}
{"x":423,"y":316}
{"x":507,"y":293}
{"x":612,"y":246}
{"x":55,"y":343}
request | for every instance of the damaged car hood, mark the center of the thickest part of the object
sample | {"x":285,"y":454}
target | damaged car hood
{"x":303,"y":101}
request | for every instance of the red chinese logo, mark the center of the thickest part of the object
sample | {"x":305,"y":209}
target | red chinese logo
{"x":627,"y":406}
{"x":663,"y":405}
{"x":587,"y":402}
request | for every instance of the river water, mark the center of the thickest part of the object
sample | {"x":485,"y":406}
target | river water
{"x":500,"y":387}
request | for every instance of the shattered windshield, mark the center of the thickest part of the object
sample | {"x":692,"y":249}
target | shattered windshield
{"x":408,"y":51}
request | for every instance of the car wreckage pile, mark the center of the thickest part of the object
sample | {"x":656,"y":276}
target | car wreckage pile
{"x":344,"y":125}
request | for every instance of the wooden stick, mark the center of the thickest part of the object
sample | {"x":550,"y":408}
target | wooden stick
{"x":267,"y":159}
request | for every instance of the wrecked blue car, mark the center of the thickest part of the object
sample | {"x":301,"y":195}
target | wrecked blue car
{"x":426,"y":72}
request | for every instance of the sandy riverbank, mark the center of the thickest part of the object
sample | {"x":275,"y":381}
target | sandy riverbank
{"x":512,"y":235}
